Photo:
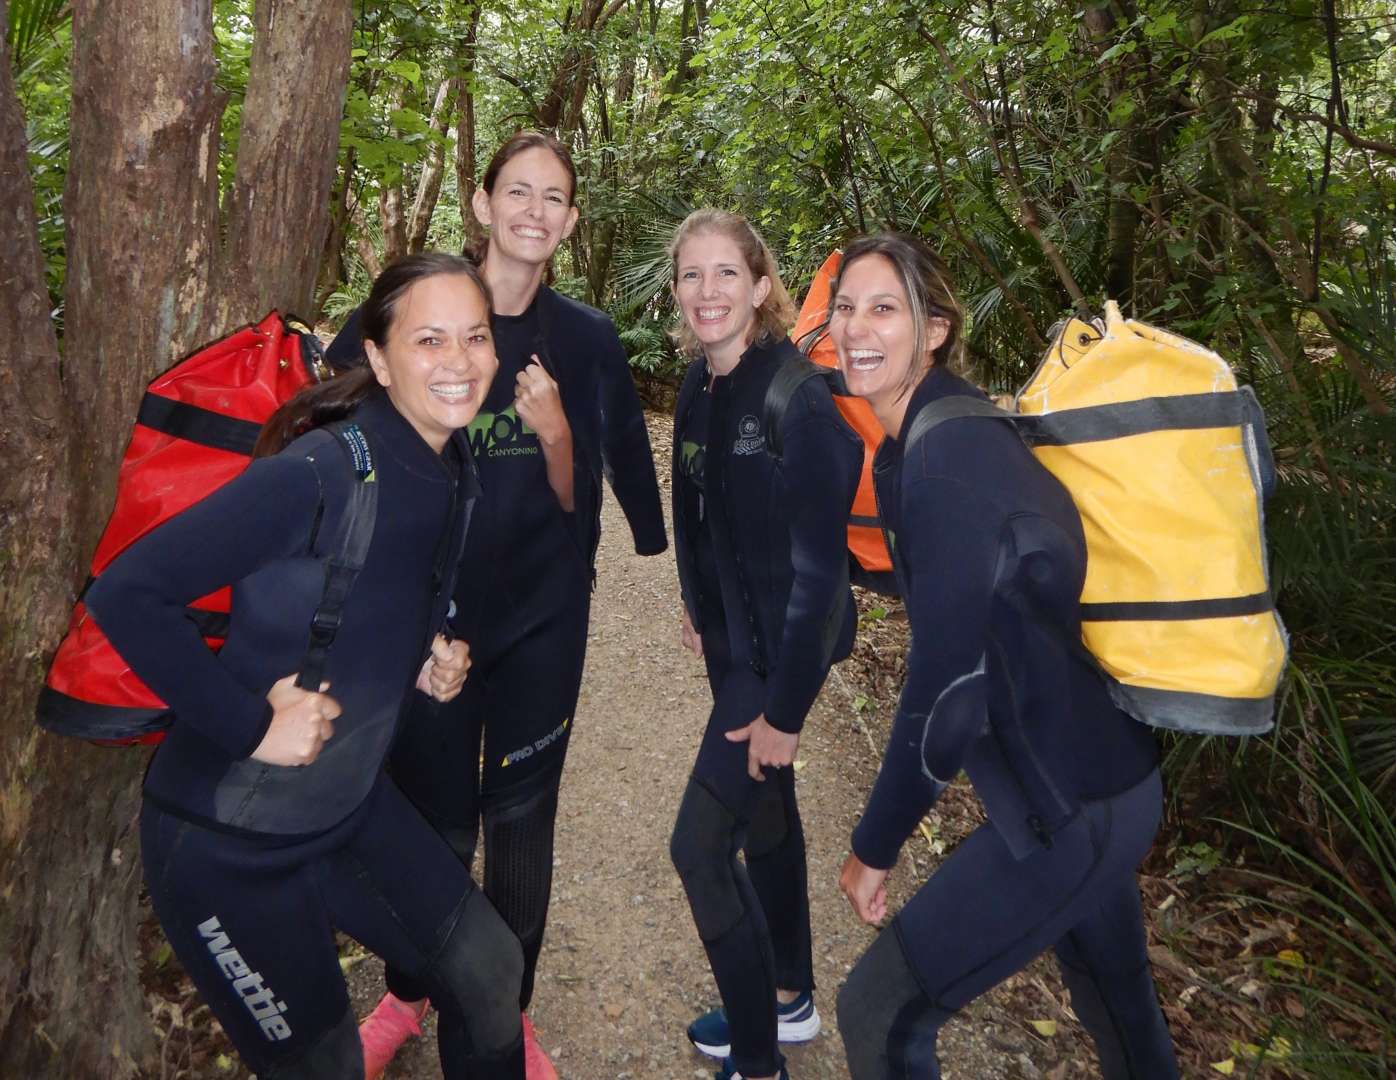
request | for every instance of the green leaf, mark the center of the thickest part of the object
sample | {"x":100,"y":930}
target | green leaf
{"x":407,"y":70}
{"x":1120,"y":48}
{"x":1056,"y":46}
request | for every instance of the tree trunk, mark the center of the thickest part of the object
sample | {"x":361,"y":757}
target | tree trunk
{"x":363,"y":243}
{"x":287,"y":154}
{"x":562,"y":105}
{"x":429,"y":184}
{"x":141,"y":213}
{"x":465,"y":128}
{"x":70,"y":999}
{"x":392,"y":222}
{"x":142,"y":242}
{"x":332,"y":273}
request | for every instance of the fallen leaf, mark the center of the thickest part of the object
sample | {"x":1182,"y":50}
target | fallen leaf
{"x":1226,"y":1068}
{"x":1045,"y":1028}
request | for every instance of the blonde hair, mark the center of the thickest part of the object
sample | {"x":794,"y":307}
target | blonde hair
{"x":775,"y":315}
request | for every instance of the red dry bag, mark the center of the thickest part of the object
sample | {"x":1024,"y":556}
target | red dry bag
{"x":195,"y":431}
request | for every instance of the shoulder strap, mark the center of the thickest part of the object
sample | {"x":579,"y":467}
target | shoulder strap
{"x":792,"y":374}
{"x":347,"y":549}
{"x":953,"y":407}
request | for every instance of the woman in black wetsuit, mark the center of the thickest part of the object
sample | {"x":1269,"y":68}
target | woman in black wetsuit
{"x":990,"y":557}
{"x":562,"y":410}
{"x":763,"y":569}
{"x":268,"y":822}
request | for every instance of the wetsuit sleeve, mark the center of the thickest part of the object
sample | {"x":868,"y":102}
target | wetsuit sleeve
{"x":625,"y":447}
{"x":821,"y":461}
{"x":949,"y":540}
{"x":264,"y":514}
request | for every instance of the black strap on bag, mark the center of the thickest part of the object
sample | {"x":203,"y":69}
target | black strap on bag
{"x":792,"y":374}
{"x":347,"y":550}
{"x":954,"y":408}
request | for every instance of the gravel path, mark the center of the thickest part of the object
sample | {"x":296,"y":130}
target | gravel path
{"x":622,"y":970}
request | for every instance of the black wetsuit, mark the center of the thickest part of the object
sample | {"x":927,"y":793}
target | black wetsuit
{"x":990,"y":557}
{"x":251,"y":866}
{"x":762,"y":556}
{"x":522,"y":603}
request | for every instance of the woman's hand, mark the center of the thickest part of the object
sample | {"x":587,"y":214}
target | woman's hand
{"x":539,"y":405}
{"x":865,"y":888}
{"x":691,"y":639}
{"x":301,"y":724}
{"x":443,"y":672}
{"x":765,"y":746}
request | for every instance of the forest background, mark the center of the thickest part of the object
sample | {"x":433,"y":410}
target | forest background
{"x":172,"y":168}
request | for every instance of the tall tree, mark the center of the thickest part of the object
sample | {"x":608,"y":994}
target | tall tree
{"x":153,"y":268}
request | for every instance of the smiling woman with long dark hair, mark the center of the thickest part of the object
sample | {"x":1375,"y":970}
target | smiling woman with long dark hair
{"x":268,"y":820}
{"x":990,"y":559}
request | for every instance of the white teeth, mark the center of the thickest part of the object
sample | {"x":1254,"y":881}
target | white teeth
{"x":453,"y":390}
{"x":863,"y":354}
{"x":532,"y":234}
{"x":713,"y":313}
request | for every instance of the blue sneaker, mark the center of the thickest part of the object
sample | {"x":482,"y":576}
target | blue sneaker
{"x":727,"y":1072}
{"x":797,"y":1022}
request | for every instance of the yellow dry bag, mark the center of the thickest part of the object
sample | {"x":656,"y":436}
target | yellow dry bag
{"x":1167,"y":461}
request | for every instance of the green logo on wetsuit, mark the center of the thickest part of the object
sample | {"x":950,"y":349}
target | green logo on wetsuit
{"x":501,"y":434}
{"x":691,"y":459}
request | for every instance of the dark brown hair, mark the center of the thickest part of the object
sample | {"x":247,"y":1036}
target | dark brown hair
{"x":334,"y":399}
{"x":511,"y":148}
{"x":930,"y":294}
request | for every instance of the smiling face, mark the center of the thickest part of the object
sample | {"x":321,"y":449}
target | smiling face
{"x":529,"y":210}
{"x":874,"y":333}
{"x":438,"y":360}
{"x":717,"y":295}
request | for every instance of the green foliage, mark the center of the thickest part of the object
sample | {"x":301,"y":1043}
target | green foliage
{"x":33,"y":28}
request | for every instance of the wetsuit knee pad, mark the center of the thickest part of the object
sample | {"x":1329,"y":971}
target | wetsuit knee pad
{"x":338,"y":1055}
{"x":475,"y":977}
{"x":703,"y":849}
{"x":889,"y":1026}
{"x":519,"y":854}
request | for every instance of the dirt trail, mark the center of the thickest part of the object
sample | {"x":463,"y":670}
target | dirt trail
{"x":622,"y":970}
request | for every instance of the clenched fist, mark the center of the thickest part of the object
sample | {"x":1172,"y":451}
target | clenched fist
{"x":301,"y":723}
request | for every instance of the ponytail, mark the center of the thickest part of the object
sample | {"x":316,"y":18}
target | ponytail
{"x":314,"y":406}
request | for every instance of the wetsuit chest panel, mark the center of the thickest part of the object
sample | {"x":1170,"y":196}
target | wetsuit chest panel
{"x":519,"y":538}
{"x":387,"y":622}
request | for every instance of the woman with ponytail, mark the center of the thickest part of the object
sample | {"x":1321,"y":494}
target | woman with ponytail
{"x":268,"y":821}
{"x":562,"y":411}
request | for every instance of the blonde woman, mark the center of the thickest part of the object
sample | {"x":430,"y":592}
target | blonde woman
{"x":763,"y":570}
